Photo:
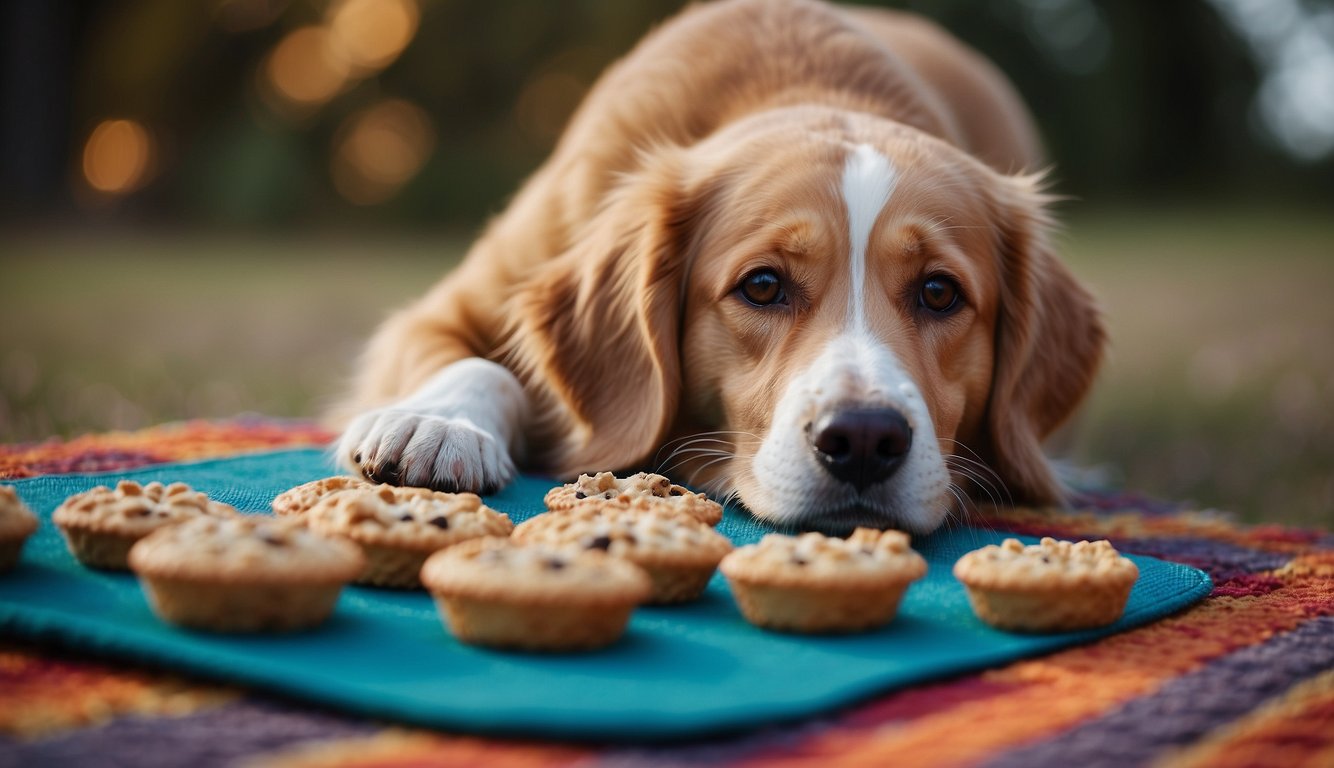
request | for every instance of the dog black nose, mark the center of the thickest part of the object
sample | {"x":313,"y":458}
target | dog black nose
{"x":861,"y":447}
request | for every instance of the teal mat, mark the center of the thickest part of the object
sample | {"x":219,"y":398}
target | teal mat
{"x":679,"y":672}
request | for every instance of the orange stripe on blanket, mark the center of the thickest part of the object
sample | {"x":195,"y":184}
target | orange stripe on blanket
{"x":1296,"y":729}
{"x":155,"y":445}
{"x":398,"y":748}
{"x":1057,"y":692}
{"x":45,"y":695}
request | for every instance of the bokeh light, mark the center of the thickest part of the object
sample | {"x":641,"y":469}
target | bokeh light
{"x":370,"y":34}
{"x":379,"y":150}
{"x":117,"y":156}
{"x":304,"y":71}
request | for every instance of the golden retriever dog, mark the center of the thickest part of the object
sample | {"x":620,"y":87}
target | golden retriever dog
{"x":791,"y":253}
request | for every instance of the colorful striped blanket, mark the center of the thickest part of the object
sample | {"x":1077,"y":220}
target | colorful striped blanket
{"x":1245,"y":678}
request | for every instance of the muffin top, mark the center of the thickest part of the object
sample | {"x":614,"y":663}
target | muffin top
{"x":640,"y":530}
{"x":504,"y":570}
{"x":406,"y":518}
{"x":606,"y":488}
{"x":867,"y":558}
{"x":1047,"y":565}
{"x":299,"y":500}
{"x":131,"y":509}
{"x":245,"y":549}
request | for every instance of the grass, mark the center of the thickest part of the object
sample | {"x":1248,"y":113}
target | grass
{"x":1219,"y":388}
{"x":119,"y":333}
{"x":1220,"y":383}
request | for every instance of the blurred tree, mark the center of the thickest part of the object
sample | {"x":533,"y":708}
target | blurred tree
{"x":36,"y":69}
{"x":1135,"y":98}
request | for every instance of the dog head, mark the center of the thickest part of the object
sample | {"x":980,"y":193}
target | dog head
{"x":838,"y":319}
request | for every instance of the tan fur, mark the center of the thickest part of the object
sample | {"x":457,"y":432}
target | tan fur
{"x":716,"y":145}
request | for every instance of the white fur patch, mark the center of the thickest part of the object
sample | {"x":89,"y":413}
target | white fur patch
{"x":458,"y":431}
{"x":868,"y":181}
{"x":792,"y":488}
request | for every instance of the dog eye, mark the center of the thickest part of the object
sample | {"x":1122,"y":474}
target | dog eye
{"x":762,"y":288}
{"x":939,"y":294}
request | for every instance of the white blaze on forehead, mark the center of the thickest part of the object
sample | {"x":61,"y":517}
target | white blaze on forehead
{"x":855,"y":370}
{"x":868,"y":181}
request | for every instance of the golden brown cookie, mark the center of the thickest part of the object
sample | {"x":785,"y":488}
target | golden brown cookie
{"x":678,"y":552}
{"x":1052,"y":586}
{"x":398,"y":528}
{"x":17,"y":523}
{"x":498,"y":593}
{"x":817,"y":583}
{"x":604,"y":487}
{"x":244,"y":573}
{"x":100,"y":525}
{"x":299,"y":500}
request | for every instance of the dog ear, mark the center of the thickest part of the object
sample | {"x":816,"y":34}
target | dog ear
{"x":1049,"y":343}
{"x":595,"y":332}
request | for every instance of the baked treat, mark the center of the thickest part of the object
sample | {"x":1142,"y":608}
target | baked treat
{"x":606,"y":487}
{"x":502,"y":594}
{"x":17,"y":523}
{"x":677,"y":551}
{"x":398,"y":528}
{"x":100,"y":525}
{"x":243,"y":574}
{"x":299,"y":500}
{"x":817,"y":583}
{"x":1052,"y":586}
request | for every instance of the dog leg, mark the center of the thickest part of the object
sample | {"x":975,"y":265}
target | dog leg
{"x":458,"y":432}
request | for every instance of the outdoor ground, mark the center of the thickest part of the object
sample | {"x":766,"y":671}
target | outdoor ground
{"x":1219,"y":387}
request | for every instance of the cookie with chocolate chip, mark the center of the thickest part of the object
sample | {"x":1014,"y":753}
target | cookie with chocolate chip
{"x":100,"y":525}
{"x":678,"y":552}
{"x":243,"y":574}
{"x":817,"y":583}
{"x":500,"y":593}
{"x":398,"y":528}
{"x":606,"y":488}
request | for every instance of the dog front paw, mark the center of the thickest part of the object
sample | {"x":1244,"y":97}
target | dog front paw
{"x":403,"y":447}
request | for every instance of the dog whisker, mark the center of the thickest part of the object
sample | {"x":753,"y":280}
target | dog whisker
{"x":698,"y":454}
{"x":686,"y":451}
{"x":981,"y":482}
{"x":980,"y":473}
{"x":686,"y":441}
{"x":696,"y":472}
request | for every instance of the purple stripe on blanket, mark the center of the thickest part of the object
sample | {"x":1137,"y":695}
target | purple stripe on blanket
{"x":1119,"y":501}
{"x":1186,"y":708}
{"x":214,"y":737}
{"x":1221,"y":560}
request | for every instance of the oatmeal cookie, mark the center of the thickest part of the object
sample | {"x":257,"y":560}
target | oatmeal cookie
{"x":500,"y":593}
{"x":604,"y":487}
{"x":17,"y":523}
{"x":243,"y":574}
{"x":817,"y":583}
{"x":678,"y":552}
{"x":299,"y":500}
{"x":398,"y":528}
{"x":100,"y":525}
{"x":1051,"y":586}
